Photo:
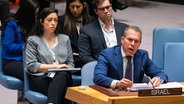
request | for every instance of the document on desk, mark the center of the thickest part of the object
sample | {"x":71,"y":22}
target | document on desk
{"x":64,"y":69}
{"x":140,"y":86}
{"x":171,"y":85}
{"x":143,"y":86}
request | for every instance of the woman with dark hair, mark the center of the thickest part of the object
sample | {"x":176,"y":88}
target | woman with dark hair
{"x":46,"y":49}
{"x":14,"y":37}
{"x":74,"y":18}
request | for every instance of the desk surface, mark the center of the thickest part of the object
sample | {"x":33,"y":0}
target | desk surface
{"x":92,"y":96}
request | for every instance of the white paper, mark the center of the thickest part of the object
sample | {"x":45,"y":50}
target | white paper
{"x":64,"y":69}
{"x":171,"y":85}
{"x":141,"y":86}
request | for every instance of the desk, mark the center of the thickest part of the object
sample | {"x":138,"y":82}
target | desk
{"x":91,"y":96}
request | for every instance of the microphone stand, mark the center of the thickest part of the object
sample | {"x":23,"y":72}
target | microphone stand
{"x":148,"y":78}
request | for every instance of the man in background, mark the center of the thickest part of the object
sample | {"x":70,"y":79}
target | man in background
{"x":104,"y":32}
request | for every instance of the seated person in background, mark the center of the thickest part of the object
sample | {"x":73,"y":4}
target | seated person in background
{"x":74,"y":18}
{"x":102,"y":33}
{"x":111,"y":70}
{"x":14,"y":37}
{"x":46,"y":49}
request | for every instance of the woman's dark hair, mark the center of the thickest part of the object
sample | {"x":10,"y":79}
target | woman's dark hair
{"x":25,"y":16}
{"x":38,"y":28}
{"x":69,"y":23}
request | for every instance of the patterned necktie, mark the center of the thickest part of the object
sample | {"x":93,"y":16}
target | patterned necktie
{"x":128,"y":74}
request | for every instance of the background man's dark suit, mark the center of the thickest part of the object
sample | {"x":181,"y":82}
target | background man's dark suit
{"x":91,"y":40}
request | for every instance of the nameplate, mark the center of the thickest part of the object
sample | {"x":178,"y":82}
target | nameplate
{"x":160,"y":92}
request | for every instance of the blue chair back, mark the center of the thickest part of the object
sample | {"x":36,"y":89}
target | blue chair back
{"x":9,"y":81}
{"x":87,"y":73}
{"x":162,"y":36}
{"x":32,"y":96}
{"x":174,"y":61}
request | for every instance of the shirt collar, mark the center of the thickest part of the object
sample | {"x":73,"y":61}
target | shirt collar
{"x":103,"y":25}
{"x":123,"y":53}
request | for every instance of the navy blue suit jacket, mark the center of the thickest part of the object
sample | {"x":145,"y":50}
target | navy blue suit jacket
{"x":110,"y":67}
{"x":91,"y":40}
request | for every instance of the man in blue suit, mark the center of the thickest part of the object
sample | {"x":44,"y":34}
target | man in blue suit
{"x":104,"y":32}
{"x":111,"y":65}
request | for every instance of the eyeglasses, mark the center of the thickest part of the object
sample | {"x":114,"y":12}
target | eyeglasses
{"x":105,"y":8}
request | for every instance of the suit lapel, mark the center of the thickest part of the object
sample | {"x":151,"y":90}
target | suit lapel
{"x":100,"y":33}
{"x":118,"y":30}
{"x":119,"y":61}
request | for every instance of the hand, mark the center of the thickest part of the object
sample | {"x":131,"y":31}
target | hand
{"x":156,"y":81}
{"x":62,"y":66}
{"x":124,"y":83}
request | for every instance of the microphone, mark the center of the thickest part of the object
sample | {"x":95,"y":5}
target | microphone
{"x":148,"y":78}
